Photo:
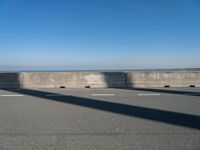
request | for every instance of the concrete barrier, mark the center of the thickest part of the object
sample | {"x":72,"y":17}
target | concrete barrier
{"x":99,"y":79}
{"x":9,"y":80}
{"x":73,"y":79}
{"x":163,"y":79}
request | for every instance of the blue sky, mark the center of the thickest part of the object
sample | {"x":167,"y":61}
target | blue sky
{"x":99,"y":34}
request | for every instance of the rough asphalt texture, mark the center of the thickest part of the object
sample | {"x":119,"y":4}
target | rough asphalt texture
{"x":114,"y":119}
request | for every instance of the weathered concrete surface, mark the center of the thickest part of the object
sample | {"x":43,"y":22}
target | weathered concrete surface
{"x":9,"y":80}
{"x":73,"y":79}
{"x":98,"y":79}
{"x":161,"y":79}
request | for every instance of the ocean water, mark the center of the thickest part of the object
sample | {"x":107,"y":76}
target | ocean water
{"x":107,"y":70}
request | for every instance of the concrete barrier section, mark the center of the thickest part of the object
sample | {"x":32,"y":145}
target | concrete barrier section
{"x":9,"y":80}
{"x":163,"y":79}
{"x":73,"y":79}
{"x":99,"y":79}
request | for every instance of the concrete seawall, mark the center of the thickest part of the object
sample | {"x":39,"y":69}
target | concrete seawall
{"x":163,"y":79}
{"x":74,"y":79}
{"x":98,"y":79}
{"x":10,"y":80}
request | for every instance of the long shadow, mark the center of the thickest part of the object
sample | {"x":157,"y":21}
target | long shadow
{"x":174,"y":118}
{"x":167,"y":91}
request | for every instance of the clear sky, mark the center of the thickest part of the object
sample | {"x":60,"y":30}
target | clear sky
{"x":99,"y":34}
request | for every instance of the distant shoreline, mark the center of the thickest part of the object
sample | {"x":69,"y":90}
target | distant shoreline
{"x":102,"y":70}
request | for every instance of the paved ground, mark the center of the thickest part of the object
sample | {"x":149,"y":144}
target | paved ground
{"x":110,"y":119}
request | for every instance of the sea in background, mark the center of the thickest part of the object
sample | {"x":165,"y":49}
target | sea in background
{"x":102,"y":70}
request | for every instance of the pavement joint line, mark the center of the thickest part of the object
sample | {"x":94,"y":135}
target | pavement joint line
{"x":147,"y":94}
{"x":103,"y":94}
{"x":11,"y":95}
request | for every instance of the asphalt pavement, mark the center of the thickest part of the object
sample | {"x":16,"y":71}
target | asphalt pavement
{"x":98,"y":119}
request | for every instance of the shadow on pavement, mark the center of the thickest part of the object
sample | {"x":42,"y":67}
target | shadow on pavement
{"x":174,"y":118}
{"x":168,"y":91}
